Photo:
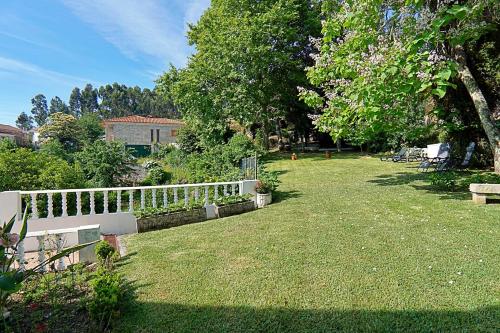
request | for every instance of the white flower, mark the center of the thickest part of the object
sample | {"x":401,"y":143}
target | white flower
{"x":451,"y":282}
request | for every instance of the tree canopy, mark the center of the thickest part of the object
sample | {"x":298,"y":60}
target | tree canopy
{"x":250,"y":57}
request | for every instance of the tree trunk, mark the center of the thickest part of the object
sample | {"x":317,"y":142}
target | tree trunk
{"x":482,"y":108}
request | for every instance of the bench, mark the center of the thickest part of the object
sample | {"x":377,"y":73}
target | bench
{"x":481,"y":191}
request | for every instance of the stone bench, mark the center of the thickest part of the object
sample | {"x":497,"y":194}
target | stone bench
{"x":481,"y":191}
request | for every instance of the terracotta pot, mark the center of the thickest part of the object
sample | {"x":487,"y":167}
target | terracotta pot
{"x":294,"y":157}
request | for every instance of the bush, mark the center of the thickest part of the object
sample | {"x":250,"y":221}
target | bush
{"x":105,"y":252}
{"x":109,"y":293}
{"x":446,"y":181}
{"x":268,"y":181}
{"x":157,"y":176}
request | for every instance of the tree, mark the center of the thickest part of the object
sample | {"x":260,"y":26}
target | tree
{"x":58,"y":105}
{"x":24,"y":122}
{"x":39,"y":110}
{"x":91,"y":128}
{"x":88,"y":100}
{"x":75,"y":104}
{"x":380,"y":63}
{"x":63,"y":128}
{"x":105,"y":164}
{"x":250,"y":57}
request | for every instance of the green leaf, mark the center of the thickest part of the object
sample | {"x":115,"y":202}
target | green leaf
{"x":445,"y":74}
{"x":440,"y":92}
{"x":24,"y":228}
{"x":7,"y":283}
{"x":8,"y":226}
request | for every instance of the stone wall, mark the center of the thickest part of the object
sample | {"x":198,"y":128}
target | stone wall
{"x":171,"y":220}
{"x":235,"y":209}
{"x":140,"y":134}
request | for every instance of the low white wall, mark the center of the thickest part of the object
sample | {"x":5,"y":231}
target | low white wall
{"x":115,"y":223}
{"x":9,"y":202}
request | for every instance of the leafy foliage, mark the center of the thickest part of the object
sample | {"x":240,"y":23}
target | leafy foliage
{"x":250,"y":58}
{"x":105,"y":164}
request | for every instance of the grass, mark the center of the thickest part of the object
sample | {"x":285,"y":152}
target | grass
{"x":353,"y":244}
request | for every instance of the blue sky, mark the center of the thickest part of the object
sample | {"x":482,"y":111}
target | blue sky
{"x":51,"y":46}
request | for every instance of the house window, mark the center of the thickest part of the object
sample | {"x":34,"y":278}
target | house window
{"x":158,"y":135}
{"x":152,"y":136}
{"x":173,"y":133}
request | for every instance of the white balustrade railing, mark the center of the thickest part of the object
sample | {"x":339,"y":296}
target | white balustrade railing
{"x":150,"y":196}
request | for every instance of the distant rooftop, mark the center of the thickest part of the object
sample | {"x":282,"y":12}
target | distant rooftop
{"x":144,"y":120}
{"x":7,"y":129}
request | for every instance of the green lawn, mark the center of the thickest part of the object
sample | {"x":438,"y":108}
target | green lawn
{"x":354,"y":244}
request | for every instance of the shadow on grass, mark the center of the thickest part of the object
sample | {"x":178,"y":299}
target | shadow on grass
{"x":279,"y":196}
{"x":408,"y":178}
{"x":315,"y":156}
{"x":163,"y":317}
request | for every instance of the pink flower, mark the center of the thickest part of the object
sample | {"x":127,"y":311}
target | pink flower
{"x":13,"y":238}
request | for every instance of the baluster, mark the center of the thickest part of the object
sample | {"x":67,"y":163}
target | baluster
{"x":118,"y":201}
{"x":233,"y":189}
{"x":143,"y":198}
{"x":41,"y":252}
{"x":20,"y":255}
{"x":78,"y":203}
{"x":59,"y":247}
{"x":196,"y":194}
{"x":176,"y":199}
{"x":105,"y":203}
{"x":165,"y":198}
{"x":50,"y":206}
{"x":206,"y":196}
{"x":92,"y":202}
{"x":216,"y":192}
{"x":153,"y":194}
{"x":64,"y":204}
{"x":225,"y":190}
{"x":131,"y":201}
{"x":186,"y":195}
{"x":34,"y":207}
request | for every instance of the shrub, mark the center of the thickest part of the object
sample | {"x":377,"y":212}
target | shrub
{"x":268,"y":181}
{"x":480,"y":178}
{"x":105,"y":252}
{"x":446,"y":181}
{"x":157,"y":176}
{"x":108,"y":295}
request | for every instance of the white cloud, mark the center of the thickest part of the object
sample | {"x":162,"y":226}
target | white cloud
{"x":22,"y":69}
{"x":141,"y":27}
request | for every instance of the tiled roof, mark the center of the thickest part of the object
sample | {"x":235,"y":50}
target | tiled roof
{"x":144,"y":120}
{"x":10,"y":130}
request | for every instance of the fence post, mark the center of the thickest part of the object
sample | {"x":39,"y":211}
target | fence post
{"x":248,"y":187}
{"x":10,"y":205}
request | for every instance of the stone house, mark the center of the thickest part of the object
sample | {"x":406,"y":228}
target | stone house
{"x":142,"y":132}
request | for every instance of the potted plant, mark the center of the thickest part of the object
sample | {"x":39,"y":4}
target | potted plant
{"x":268,"y":182}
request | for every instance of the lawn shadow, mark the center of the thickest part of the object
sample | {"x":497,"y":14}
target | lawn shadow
{"x":409,"y":178}
{"x":165,"y":317}
{"x":279,"y":196}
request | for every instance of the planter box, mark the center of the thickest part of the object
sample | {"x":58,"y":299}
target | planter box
{"x":235,"y":209}
{"x":171,"y":220}
{"x":264,"y":199}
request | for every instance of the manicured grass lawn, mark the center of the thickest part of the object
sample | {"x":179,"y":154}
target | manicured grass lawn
{"x":354,"y":244}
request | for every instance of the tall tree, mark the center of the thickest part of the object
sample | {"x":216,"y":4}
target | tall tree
{"x":88,"y":100}
{"x":58,"y":105}
{"x":39,"y":109}
{"x":250,"y":57}
{"x":24,"y":121}
{"x":380,"y":61}
{"x":75,"y":105}
{"x":63,"y":128}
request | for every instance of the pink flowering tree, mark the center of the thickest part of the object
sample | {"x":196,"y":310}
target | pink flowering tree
{"x":380,"y":63}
